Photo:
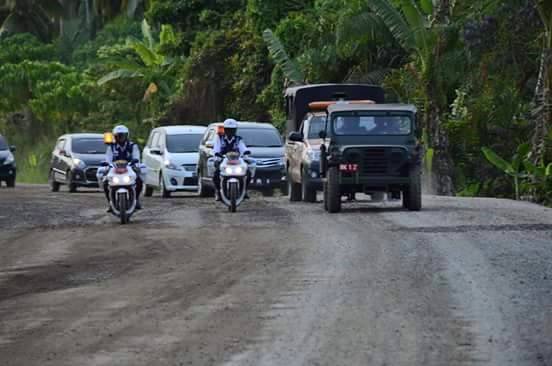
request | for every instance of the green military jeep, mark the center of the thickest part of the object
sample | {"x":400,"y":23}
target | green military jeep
{"x":371,"y":148}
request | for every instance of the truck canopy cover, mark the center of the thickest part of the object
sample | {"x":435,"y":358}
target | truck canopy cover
{"x":299,"y":98}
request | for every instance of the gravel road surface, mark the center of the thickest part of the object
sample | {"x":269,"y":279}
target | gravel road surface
{"x":463,"y":282}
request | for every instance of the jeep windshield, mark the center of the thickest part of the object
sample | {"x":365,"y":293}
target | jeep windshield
{"x":260,"y":137}
{"x":371,"y":124}
{"x":88,"y":146}
{"x":3,"y":144}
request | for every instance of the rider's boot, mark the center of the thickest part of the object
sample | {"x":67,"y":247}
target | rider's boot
{"x":138,"y":205}
{"x":217,"y":196}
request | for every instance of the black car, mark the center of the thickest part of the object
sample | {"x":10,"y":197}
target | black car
{"x":8,"y":170}
{"x":75,"y":161}
{"x":267,"y":148}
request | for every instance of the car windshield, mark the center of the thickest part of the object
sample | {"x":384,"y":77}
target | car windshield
{"x":317,"y":124}
{"x":185,"y":143}
{"x":260,"y":137}
{"x":91,"y":145}
{"x":371,"y":124}
{"x":3,"y":143}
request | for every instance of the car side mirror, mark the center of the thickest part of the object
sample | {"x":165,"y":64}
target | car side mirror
{"x":209,"y":145}
{"x":247,"y":152}
{"x":63,"y":153}
{"x":156,"y":152}
{"x":104,"y":164}
{"x":12,"y":148}
{"x":322,"y":134}
{"x":296,"y":137}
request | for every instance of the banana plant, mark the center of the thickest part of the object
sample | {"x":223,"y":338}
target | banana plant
{"x":515,"y":168}
{"x":291,"y":69}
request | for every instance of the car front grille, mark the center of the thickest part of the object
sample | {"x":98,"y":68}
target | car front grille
{"x":264,"y":163}
{"x":190,"y":181}
{"x":377,"y":160}
{"x":91,"y":174}
{"x":189,"y":167}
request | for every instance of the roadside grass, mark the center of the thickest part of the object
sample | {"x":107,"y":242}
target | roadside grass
{"x":33,"y":161}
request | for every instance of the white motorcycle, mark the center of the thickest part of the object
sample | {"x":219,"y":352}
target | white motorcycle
{"x":234,"y":174}
{"x":121,"y":180}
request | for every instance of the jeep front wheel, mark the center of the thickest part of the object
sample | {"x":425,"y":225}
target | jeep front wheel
{"x":332,"y":192}
{"x":413,"y":196}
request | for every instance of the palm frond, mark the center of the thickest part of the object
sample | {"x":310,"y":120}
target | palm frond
{"x":119,"y":74}
{"x":366,"y":26}
{"x":146,"y":33}
{"x":395,"y":22}
{"x":280,"y":56}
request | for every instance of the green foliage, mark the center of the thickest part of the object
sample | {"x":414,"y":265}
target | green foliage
{"x":280,"y":56}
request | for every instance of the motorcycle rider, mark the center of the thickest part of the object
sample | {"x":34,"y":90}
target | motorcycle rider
{"x":123,"y":149}
{"x":228,"y":142}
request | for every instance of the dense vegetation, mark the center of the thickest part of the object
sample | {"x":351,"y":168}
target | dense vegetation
{"x":479,"y":71}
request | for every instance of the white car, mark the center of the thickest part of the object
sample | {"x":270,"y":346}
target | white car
{"x":171,"y":156}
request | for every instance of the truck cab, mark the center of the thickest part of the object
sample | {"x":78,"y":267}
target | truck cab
{"x":370,"y":148}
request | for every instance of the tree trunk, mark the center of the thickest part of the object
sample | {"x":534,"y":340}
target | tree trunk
{"x":442,"y":167}
{"x":543,"y":110}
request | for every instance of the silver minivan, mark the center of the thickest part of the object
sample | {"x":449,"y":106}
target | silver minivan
{"x":171,"y":156}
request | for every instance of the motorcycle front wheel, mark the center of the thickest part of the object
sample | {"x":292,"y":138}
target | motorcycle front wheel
{"x":123,"y":208}
{"x":233,"y":197}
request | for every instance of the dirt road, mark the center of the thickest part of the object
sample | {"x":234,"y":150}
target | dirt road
{"x":464,"y":282}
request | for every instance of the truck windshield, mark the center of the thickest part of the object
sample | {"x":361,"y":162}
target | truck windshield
{"x":371,"y":124}
{"x":88,"y":146}
{"x":317,"y":124}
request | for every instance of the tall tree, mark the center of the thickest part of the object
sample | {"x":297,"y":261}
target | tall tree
{"x":543,"y":92}
{"x":424,"y":31}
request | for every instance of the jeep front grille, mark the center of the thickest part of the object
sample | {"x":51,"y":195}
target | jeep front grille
{"x":377,"y":160}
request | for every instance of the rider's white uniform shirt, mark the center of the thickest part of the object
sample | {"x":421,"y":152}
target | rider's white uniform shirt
{"x":218,"y":145}
{"x":135,"y":153}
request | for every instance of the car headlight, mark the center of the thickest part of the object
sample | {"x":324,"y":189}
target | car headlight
{"x":171,"y":166}
{"x":10,"y":159}
{"x":79,"y":163}
{"x":313,"y":154}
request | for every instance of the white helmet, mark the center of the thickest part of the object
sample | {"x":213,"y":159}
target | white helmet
{"x":120,"y":129}
{"x":120,"y":133}
{"x":230,"y":123}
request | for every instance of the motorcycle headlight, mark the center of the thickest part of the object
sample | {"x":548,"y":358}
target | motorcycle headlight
{"x":236,"y":170}
{"x":116,"y":180}
{"x":126,"y":179}
{"x":171,"y":166}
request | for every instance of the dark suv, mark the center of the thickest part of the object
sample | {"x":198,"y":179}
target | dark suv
{"x":75,"y":161}
{"x":371,"y":148}
{"x":267,"y":148}
{"x":8,"y":169}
